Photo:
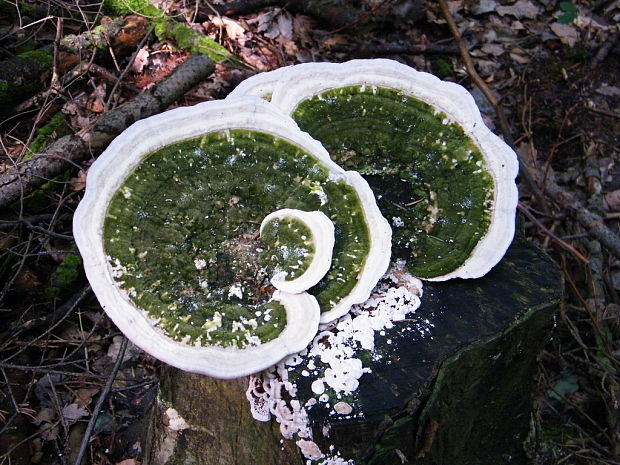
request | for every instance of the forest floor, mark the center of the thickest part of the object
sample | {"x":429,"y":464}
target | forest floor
{"x":551,"y":68}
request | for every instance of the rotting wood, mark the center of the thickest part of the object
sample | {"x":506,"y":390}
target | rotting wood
{"x":430,"y":398}
{"x":69,"y":151}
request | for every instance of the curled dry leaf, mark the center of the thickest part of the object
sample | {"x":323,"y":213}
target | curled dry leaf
{"x":73,"y":412}
{"x":234,"y":30}
{"x":612,"y":201}
{"x":78,"y":183}
{"x":141,"y":60}
{"x":567,"y":34}
{"x":85,"y":396}
{"x":521,"y":9}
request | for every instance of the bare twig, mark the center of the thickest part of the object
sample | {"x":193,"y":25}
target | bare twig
{"x":127,"y":68}
{"x":102,"y":397}
{"x":526,"y":211}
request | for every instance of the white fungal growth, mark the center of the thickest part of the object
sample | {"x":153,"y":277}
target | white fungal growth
{"x":332,"y":360}
{"x":175,"y":421}
{"x":235,"y":291}
{"x":310,"y":449}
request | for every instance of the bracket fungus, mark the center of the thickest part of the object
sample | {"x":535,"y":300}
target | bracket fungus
{"x":300,"y":243}
{"x":442,"y":178}
{"x":169,"y":232}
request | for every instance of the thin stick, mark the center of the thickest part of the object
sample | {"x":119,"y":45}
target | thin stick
{"x":102,"y":397}
{"x":551,"y":235}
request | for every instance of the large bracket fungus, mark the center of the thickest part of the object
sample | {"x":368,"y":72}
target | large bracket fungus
{"x":443,"y":179}
{"x":217,"y":237}
{"x":169,"y":226}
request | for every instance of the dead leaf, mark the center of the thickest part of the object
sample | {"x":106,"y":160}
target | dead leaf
{"x":78,"y":183}
{"x":521,"y":9}
{"x":519,"y":58}
{"x":484,"y":6}
{"x":612,"y":200}
{"x":128,"y":462}
{"x":455,"y":6}
{"x":141,"y":60}
{"x":234,"y":30}
{"x":45,"y":415}
{"x":567,"y":33}
{"x":73,"y":412}
{"x":85,"y":396}
{"x":493,"y":49}
{"x":610,"y":91}
{"x":130,"y":352}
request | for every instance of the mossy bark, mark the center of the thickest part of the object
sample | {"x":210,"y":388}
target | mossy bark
{"x":459,"y":395}
{"x":22,"y":75}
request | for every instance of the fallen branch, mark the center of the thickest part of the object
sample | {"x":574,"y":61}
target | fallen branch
{"x":69,"y":151}
{"x":592,"y":222}
{"x":364,"y":51}
{"x":22,"y":75}
{"x":332,"y":14}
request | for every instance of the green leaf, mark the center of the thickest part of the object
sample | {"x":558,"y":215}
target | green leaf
{"x":569,"y":13}
{"x":567,"y":385}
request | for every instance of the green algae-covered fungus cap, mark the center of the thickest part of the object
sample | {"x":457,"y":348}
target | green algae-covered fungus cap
{"x":444,"y":181}
{"x":169,"y":232}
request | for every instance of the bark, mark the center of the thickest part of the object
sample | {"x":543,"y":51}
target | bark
{"x":220,"y":429}
{"x":121,"y":34}
{"x":460,"y":395}
{"x":68,"y":151}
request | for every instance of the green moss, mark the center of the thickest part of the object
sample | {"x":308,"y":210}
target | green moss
{"x":181,"y":233}
{"x":42,"y":57}
{"x":4,"y":91}
{"x":127,"y":7}
{"x":168,"y":29}
{"x":442,"y":68}
{"x":27,"y":45}
{"x":65,"y":274}
{"x":428,"y":176}
{"x":17,"y":84}
{"x":46,"y":133}
{"x":189,"y":39}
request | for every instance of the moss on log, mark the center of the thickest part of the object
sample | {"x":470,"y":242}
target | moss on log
{"x":460,"y":393}
{"x":22,"y":75}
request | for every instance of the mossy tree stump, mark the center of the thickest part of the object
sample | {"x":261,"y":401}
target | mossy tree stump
{"x":458,"y":394}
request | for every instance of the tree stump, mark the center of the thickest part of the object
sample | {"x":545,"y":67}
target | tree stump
{"x":459,"y":392}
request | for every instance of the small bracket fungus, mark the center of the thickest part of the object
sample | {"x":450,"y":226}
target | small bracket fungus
{"x":168,"y":230}
{"x":445,"y":182}
{"x":301,"y":244}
